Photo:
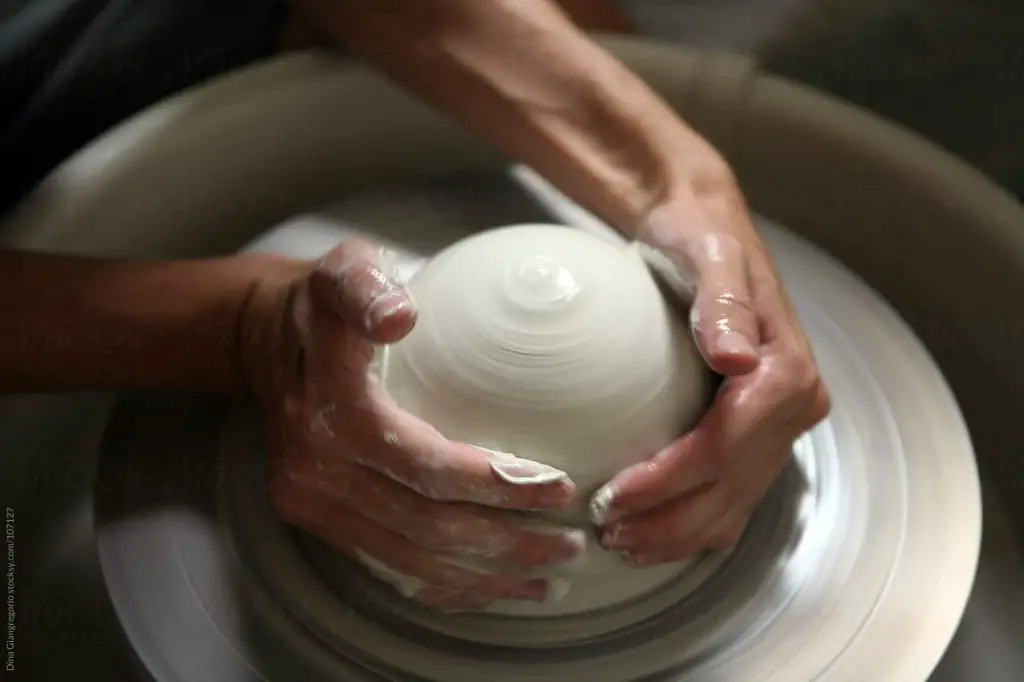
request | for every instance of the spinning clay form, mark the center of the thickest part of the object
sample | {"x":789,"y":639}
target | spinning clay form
{"x":553,"y":345}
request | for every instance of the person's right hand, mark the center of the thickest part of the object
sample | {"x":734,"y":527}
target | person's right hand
{"x":427,"y":514}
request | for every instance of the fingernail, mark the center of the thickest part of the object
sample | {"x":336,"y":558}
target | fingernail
{"x":573,"y":549}
{"x":618,"y":536}
{"x":557,"y":589}
{"x":601,"y":505}
{"x":518,"y":471}
{"x":572,"y":543}
{"x":385,"y":305}
{"x":734,"y":343}
{"x":556,"y":497}
{"x":406,"y":585}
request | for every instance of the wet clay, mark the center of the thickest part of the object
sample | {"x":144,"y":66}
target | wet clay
{"x":558,"y":347}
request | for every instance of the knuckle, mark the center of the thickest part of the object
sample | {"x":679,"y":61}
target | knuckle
{"x":715,"y":175}
{"x":411,"y":470}
{"x":799,"y":380}
{"x":733,"y":302}
{"x":805,"y":377}
{"x":722,"y":306}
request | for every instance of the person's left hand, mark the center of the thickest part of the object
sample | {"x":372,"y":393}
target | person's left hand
{"x":699,"y":492}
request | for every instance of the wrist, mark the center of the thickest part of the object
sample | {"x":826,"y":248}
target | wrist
{"x":101,"y":324}
{"x":688,"y":182}
{"x":703,"y":199}
{"x":267,"y":347}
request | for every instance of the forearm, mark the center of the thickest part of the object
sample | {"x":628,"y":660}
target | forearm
{"x":603,"y":16}
{"x":521,"y":75}
{"x":87,"y":324}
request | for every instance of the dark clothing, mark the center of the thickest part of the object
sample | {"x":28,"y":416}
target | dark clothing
{"x":71,"y":69}
{"x":949,"y":69}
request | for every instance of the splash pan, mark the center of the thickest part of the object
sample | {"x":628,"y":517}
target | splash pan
{"x":857,"y":566}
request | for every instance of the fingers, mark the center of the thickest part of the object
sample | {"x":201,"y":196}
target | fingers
{"x":415,"y":454}
{"x":353,"y":411}
{"x":702,"y":488}
{"x":749,"y":415}
{"x":704,"y":519}
{"x":401,"y":560}
{"x":670,"y":525}
{"x":411,"y":569}
{"x":724,"y":535}
{"x":722,"y":317}
{"x":699,"y":491}
{"x":458,"y":529}
{"x":686,"y":465}
{"x":350,"y":282}
{"x":351,"y":306}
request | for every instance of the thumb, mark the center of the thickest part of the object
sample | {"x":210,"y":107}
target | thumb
{"x":722,"y":318}
{"x":350,"y":281}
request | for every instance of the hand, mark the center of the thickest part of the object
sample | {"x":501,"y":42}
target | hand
{"x":698,"y":493}
{"x":387,"y":489}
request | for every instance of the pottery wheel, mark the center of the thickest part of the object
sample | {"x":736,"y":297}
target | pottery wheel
{"x":856,"y":567}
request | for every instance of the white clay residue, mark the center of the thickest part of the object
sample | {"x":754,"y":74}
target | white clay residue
{"x":407,"y":585}
{"x":519,"y":471}
{"x":600,"y":503}
{"x":558,"y":589}
{"x":320,"y":423}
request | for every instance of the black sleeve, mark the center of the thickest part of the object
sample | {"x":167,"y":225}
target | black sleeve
{"x":71,"y":69}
